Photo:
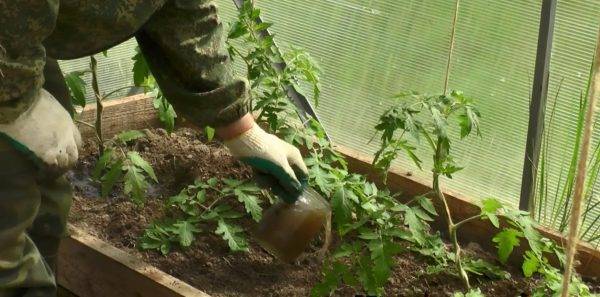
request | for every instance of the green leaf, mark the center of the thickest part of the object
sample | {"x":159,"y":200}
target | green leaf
{"x":439,"y":122}
{"x":415,"y":225}
{"x":262,"y":26}
{"x":138,"y":161}
{"x":427,"y":205}
{"x":481,"y":267}
{"x":232,"y":234}
{"x":341,"y":207}
{"x":209,"y":132}
{"x":110,"y":178}
{"x":130,"y":135}
{"x":166,"y":112}
{"x":140,"y":68}
{"x":135,"y":184}
{"x":469,"y":121}
{"x":237,"y":30}
{"x":250,"y":203}
{"x":331,"y":280}
{"x":186,"y":231}
{"x":505,"y":241}
{"x":490,"y":205}
{"x":531,"y":264}
{"x":77,"y":87}
{"x":489,"y":208}
{"x":102,"y":164}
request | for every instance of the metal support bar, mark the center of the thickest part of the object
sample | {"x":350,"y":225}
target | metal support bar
{"x":305,"y":108}
{"x":538,"y":105}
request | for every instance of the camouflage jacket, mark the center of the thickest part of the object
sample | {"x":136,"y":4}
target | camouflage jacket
{"x":180,"y":39}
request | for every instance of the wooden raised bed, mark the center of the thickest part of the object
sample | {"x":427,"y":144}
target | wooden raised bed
{"x":91,"y":267}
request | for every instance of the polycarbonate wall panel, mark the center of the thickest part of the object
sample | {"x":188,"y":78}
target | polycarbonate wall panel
{"x":114,"y":71}
{"x":575,"y":34}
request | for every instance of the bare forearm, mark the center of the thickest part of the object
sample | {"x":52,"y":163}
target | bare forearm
{"x":236,"y":128}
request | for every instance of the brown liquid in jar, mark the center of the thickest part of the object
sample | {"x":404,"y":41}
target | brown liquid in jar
{"x":286,"y":230}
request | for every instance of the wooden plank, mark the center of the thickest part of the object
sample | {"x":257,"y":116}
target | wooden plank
{"x":90,"y":267}
{"x":128,"y":113}
{"x":479,"y":231}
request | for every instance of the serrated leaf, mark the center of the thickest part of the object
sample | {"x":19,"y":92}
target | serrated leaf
{"x":415,"y":225}
{"x":340,"y":205}
{"x":140,"y":68}
{"x":135,"y":184}
{"x":481,"y":267}
{"x":237,"y":30}
{"x":489,"y":208}
{"x":490,"y":205}
{"x":102,"y":163}
{"x":109,"y":179}
{"x":130,"y":135}
{"x":232,"y":234}
{"x":138,"y":161}
{"x":166,"y":112}
{"x":422,"y":214}
{"x":439,"y":122}
{"x":185,"y":232}
{"x":469,"y":121}
{"x":250,"y":203}
{"x":505,"y":241}
{"x":530,"y":264}
{"x":77,"y":87}
{"x":427,"y":205}
{"x":330,"y":280}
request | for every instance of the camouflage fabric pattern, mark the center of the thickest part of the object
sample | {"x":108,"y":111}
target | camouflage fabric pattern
{"x":33,"y":214}
{"x":24,"y":24}
{"x":181,"y":39}
{"x":182,"y":42}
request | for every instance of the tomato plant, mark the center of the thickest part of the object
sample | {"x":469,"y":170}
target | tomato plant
{"x":116,"y":162}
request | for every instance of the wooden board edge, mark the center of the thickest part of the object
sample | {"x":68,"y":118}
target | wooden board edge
{"x":91,"y":267}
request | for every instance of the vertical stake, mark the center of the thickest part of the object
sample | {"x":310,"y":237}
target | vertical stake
{"x":578,"y":197}
{"x":538,"y":105}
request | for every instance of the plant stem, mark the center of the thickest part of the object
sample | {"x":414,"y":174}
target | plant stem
{"x":89,"y":125}
{"x":578,"y":197}
{"x":473,"y":218}
{"x":99,"y":105}
{"x":452,"y":229}
{"x":117,"y":90}
{"x":451,"y":50}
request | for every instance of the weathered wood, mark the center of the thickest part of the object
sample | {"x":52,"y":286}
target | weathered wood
{"x":128,"y":113}
{"x":90,"y":267}
{"x":478,"y":231}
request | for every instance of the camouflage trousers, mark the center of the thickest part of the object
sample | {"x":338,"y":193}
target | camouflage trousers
{"x":33,"y":213}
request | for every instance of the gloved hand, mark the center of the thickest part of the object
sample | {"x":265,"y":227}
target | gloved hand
{"x":46,"y":132}
{"x":269,"y":154}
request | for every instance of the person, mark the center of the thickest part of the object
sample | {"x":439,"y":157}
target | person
{"x":182,"y":41}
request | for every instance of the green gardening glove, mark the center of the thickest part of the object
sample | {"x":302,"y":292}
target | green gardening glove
{"x":272,"y":156}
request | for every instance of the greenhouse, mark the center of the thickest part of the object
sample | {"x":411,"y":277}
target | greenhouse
{"x":299,"y":148}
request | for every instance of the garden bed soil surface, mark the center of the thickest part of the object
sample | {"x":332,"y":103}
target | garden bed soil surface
{"x":183,"y":156}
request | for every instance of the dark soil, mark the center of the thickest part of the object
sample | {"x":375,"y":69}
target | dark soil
{"x":178,"y":160}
